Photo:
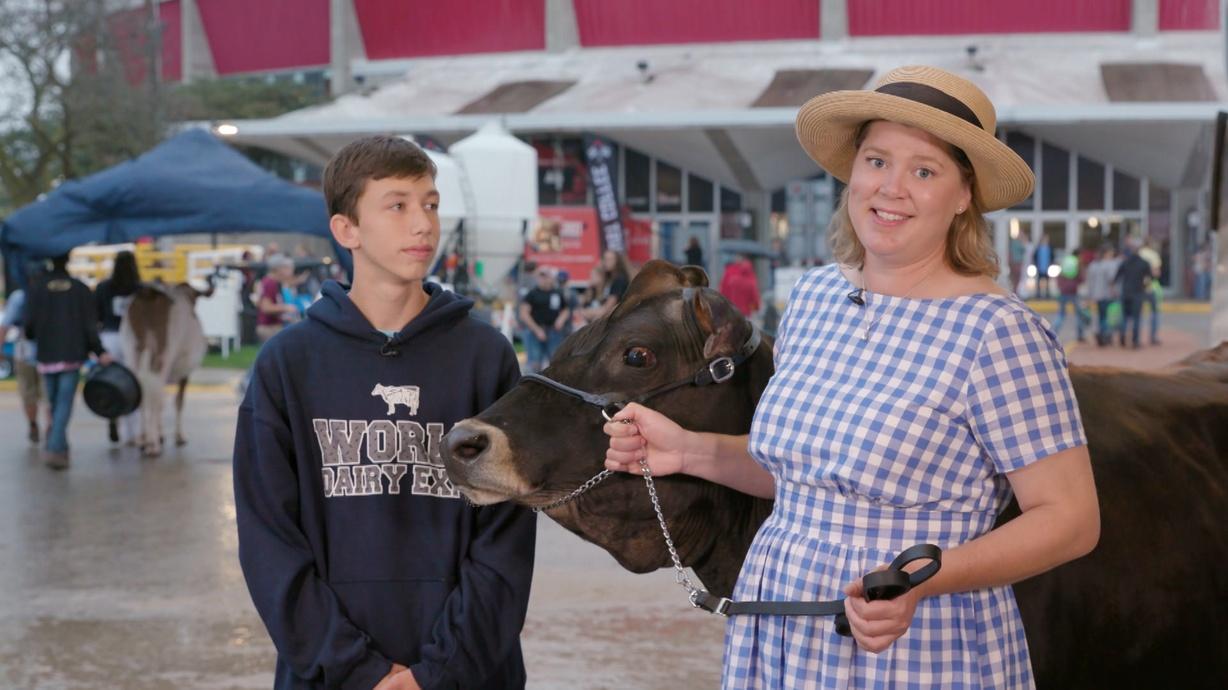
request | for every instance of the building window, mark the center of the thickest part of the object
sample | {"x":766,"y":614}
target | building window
{"x":1125,"y":192}
{"x":779,"y":200}
{"x":731,"y":200}
{"x":1091,"y":185}
{"x":638,"y":191}
{"x":699,"y":195}
{"x":1025,"y":146}
{"x":669,"y":188}
{"x":1055,"y":179}
{"x":1159,"y":210}
{"x":1056,"y":231}
{"x":562,"y":172}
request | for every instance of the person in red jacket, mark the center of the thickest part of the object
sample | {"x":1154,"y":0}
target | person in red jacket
{"x":740,"y":286}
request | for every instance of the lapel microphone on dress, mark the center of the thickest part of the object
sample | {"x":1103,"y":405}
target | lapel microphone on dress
{"x":857,"y":297}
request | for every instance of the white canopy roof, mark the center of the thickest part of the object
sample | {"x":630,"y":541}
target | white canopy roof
{"x":696,"y":110}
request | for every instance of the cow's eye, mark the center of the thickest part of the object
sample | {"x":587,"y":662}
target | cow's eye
{"x":639,"y":357}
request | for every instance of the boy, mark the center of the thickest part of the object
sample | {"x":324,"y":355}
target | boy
{"x":365,"y":564}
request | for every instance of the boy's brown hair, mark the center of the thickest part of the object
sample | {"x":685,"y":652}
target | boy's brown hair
{"x":370,"y":158}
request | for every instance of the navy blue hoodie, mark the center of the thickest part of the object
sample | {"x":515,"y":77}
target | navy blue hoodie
{"x":357,"y":550}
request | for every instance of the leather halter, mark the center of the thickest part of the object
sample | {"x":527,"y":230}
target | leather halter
{"x":716,"y":370}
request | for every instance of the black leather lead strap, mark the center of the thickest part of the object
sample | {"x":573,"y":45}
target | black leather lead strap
{"x":880,"y":584}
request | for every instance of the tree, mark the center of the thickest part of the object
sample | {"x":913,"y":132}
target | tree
{"x":75,"y":105}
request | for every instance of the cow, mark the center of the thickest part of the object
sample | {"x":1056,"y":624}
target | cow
{"x":163,"y":342}
{"x":1147,"y":608}
{"x":397,"y":395}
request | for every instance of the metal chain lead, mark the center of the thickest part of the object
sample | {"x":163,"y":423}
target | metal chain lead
{"x":593,"y":481}
{"x":680,"y":575}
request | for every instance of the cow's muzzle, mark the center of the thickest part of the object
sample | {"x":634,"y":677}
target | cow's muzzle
{"x":478,"y":459}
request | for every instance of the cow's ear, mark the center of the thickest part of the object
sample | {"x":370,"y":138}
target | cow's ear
{"x":694,"y":276}
{"x":724,"y":325}
{"x":656,"y":277}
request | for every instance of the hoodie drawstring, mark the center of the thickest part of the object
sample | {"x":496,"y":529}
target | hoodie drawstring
{"x":388,"y":350}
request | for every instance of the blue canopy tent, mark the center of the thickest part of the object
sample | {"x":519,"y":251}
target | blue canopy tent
{"x":190,"y":183}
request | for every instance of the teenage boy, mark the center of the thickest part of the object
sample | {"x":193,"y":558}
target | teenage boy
{"x":367,"y":567}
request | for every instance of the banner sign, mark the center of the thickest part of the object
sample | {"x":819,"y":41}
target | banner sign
{"x":602,"y":173}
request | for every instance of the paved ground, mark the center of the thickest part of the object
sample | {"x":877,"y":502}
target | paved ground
{"x":121,"y":572}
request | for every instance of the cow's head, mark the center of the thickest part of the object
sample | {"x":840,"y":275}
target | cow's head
{"x":536,"y":444}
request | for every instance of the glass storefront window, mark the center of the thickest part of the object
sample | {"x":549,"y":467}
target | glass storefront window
{"x":1159,"y":213}
{"x":731,"y":200}
{"x":669,"y":188}
{"x":562,"y":172}
{"x":1025,"y":146}
{"x":699,"y":194}
{"x":1055,"y":176}
{"x":575,"y":189}
{"x":1125,"y":192}
{"x":1090,"y":185}
{"x":1095,"y":232}
{"x":638,"y":181}
{"x":1056,"y":231}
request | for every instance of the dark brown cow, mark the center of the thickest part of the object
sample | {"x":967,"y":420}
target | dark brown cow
{"x":1147,"y":609}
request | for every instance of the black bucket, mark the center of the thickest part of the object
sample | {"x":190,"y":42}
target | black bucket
{"x":111,"y":391}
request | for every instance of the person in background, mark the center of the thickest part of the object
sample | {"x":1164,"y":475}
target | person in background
{"x":1201,"y":266}
{"x":1068,"y":283}
{"x":1042,"y":258}
{"x":62,"y":321}
{"x":1133,"y":279}
{"x":695,"y":253}
{"x":615,"y":277}
{"x":273,"y":310}
{"x":1102,"y":289}
{"x":544,"y":313}
{"x":740,"y":286}
{"x":25,"y":362}
{"x":111,"y":298}
{"x":1154,"y":292}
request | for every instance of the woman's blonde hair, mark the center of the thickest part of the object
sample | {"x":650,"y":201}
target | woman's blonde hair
{"x":969,"y":244}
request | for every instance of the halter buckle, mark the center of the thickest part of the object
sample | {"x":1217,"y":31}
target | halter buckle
{"x":610,"y":409}
{"x":721,"y":369}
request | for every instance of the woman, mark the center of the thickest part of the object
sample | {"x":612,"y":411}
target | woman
{"x":111,"y":296}
{"x":912,"y":394}
{"x":616,"y":276}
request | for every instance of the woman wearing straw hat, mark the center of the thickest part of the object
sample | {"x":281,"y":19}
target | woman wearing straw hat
{"x":912,"y":394}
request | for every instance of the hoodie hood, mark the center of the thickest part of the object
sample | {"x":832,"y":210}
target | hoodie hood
{"x":338,"y":312}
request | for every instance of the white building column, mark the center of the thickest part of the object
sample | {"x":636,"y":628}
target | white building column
{"x":1144,"y":17}
{"x":562,"y":31}
{"x":344,"y":46}
{"x":195,"y":57}
{"x":834,"y":20}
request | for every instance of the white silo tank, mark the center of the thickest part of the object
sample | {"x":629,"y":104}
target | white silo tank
{"x":452,"y":209}
{"x":501,"y":172}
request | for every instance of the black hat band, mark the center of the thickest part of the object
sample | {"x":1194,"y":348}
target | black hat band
{"x":934,"y":98}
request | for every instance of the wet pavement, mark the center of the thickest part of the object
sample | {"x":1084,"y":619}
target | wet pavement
{"x":121,"y":573}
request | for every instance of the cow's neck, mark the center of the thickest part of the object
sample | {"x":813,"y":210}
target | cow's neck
{"x":712,"y":534}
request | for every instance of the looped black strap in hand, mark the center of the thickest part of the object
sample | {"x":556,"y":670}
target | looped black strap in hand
{"x":878,"y":585}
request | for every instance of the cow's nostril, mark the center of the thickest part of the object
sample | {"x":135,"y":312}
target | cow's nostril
{"x":467,"y":447}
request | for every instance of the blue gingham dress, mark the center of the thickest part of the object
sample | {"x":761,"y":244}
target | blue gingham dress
{"x":881,"y":444}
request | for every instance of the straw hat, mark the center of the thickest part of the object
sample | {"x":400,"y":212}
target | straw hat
{"x":949,"y":107}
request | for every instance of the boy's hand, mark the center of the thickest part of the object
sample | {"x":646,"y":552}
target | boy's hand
{"x":399,"y":678}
